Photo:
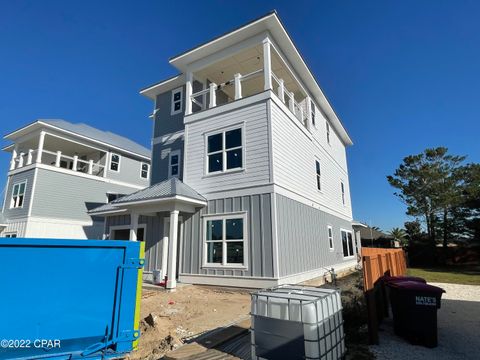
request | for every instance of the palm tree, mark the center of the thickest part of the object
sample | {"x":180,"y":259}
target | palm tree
{"x":399,"y":235}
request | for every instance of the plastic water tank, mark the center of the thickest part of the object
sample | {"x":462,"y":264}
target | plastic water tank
{"x":297,"y":322}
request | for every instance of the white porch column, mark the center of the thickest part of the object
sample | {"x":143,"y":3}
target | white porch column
{"x":41,"y":141}
{"x":20,"y":159}
{"x":281,"y":90}
{"x":165,"y":250}
{"x":309,"y":113}
{"x":14,"y":158}
{"x":172,"y":251}
{"x":75,"y":163}
{"x":238,"y":86}
{"x":133,"y":226}
{"x":188,"y":93}
{"x":267,"y":64}
{"x":30,"y":156}
{"x":58,"y":158}
{"x":213,"y":95}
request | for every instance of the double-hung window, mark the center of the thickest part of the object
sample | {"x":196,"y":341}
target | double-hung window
{"x":330,"y":237}
{"x":176,"y":105}
{"x":115,"y":162}
{"x":342,"y":189}
{"x":319,"y":175}
{"x":225,"y":240}
{"x":347,"y":243}
{"x":18,"y":195}
{"x":174,"y":164}
{"x":144,"y":170}
{"x":328,"y":132}
{"x":225,"y":151}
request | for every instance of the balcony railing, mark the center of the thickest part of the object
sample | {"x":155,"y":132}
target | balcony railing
{"x":288,"y":98}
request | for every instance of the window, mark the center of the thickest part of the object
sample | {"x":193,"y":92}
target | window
{"x":11,"y":235}
{"x":123,"y":232}
{"x":225,"y":241}
{"x":18,"y":194}
{"x":347,"y":243}
{"x":177,"y":96}
{"x":328,"y":132}
{"x":174,"y":164}
{"x":225,"y":151}
{"x":330,"y":237}
{"x":342,"y":186}
{"x":113,"y":196}
{"x":312,"y":114}
{"x":319,"y":178}
{"x":115,"y":162}
{"x":144,"y":170}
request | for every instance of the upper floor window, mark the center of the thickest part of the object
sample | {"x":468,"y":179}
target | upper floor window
{"x":115,"y":162}
{"x":342,"y":186}
{"x":177,"y":96}
{"x":312,"y":114}
{"x":174,"y":164}
{"x":225,"y":240}
{"x":328,"y":132}
{"x":225,"y":151}
{"x":347,"y":243}
{"x":330,"y":237}
{"x":18,"y":195}
{"x":319,"y":177}
{"x":144,"y":170}
{"x":113,"y":196}
{"x":11,"y":235}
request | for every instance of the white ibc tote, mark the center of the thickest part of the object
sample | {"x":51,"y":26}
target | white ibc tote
{"x":297,"y":322}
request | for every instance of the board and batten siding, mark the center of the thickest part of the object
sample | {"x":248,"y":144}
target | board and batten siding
{"x":21,"y":212}
{"x":294,"y":155}
{"x":303,"y":237}
{"x":260,"y":239}
{"x":253,"y":118}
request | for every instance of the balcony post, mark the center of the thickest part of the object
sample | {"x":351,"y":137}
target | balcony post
{"x":20,"y":159}
{"x":267,"y":64}
{"x":281,"y":90}
{"x":188,"y":93}
{"x":41,"y":141}
{"x":213,"y":95}
{"x":308,"y":102}
{"x":58,"y":158}
{"x":13,"y":162}
{"x":90,"y":166}
{"x":75,"y":162}
{"x":291,"y":102}
{"x":238,"y":86}
{"x":302,"y":120}
{"x":30,"y":156}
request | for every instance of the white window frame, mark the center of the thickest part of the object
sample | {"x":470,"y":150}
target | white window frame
{"x":223,"y":131}
{"x":342,"y":190}
{"x":353,"y":247}
{"x":331,"y":244}
{"x":127,"y":227}
{"x":110,"y":162}
{"x":141,"y":170}
{"x":224,"y":264}
{"x":328,"y":132}
{"x":173,"y":153}
{"x":14,"y":203}
{"x":318,"y":175}
{"x":172,"y":102}
{"x":10,"y":234}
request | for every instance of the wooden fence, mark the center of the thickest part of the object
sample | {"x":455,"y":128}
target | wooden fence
{"x":378,"y":262}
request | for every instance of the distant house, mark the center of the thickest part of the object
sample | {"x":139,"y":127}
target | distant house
{"x":59,"y":171}
{"x":371,"y":237}
{"x":250,"y":183}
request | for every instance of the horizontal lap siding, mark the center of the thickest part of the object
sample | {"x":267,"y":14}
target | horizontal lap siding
{"x":303,"y":237}
{"x":256,"y":160}
{"x":294,"y":156}
{"x":260,"y":242}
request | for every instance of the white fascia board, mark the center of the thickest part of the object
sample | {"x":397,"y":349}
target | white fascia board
{"x":163,"y":86}
{"x":160,"y":200}
{"x":107,"y":212}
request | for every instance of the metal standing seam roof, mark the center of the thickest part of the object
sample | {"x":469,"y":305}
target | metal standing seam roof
{"x":99,"y":135}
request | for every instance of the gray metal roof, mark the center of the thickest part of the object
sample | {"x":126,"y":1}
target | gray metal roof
{"x":103,"y":208}
{"x":99,"y":135}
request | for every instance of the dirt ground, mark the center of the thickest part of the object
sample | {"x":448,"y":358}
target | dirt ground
{"x":169,"y":318}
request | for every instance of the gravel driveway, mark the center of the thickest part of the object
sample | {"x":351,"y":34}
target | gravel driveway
{"x":458,"y":329}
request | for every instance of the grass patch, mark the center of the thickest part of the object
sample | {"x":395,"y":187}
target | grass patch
{"x":452,"y":275}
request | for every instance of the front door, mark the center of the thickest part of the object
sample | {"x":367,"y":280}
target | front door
{"x":166,"y":234}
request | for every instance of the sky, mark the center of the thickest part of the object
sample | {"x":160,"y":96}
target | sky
{"x":401,"y":75}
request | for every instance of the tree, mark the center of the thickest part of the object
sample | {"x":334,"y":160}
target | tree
{"x":413,"y":230}
{"x":399,"y":235}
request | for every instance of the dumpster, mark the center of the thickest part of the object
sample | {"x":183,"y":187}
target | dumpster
{"x":295,"y":322}
{"x":69,"y":299}
{"x":414,"y":307}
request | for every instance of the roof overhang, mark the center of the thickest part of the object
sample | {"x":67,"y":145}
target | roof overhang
{"x":359,"y":224}
{"x":174,"y":82}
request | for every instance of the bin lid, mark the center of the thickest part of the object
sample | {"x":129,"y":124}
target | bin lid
{"x":389,"y":279}
{"x":416,"y":286}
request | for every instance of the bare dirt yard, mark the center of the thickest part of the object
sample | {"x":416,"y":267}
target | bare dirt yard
{"x":169,"y":318}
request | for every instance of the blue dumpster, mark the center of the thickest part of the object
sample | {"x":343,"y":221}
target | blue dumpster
{"x":69,"y":299}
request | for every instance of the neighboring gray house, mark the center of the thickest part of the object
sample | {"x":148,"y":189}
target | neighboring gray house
{"x":59,"y":171}
{"x":249,"y":183}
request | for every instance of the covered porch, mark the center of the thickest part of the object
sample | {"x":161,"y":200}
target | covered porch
{"x":155,"y":215}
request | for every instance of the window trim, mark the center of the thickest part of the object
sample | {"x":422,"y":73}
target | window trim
{"x":172,"y":153}
{"x":331,"y":243}
{"x":318,"y":175}
{"x":111,"y":229}
{"x":172,"y":102}
{"x":223,"y":131}
{"x":224,"y":264}
{"x":353,"y":248}
{"x":12,"y":202}
{"x":110,"y":162}
{"x":9,"y":234}
{"x":141,"y":170}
